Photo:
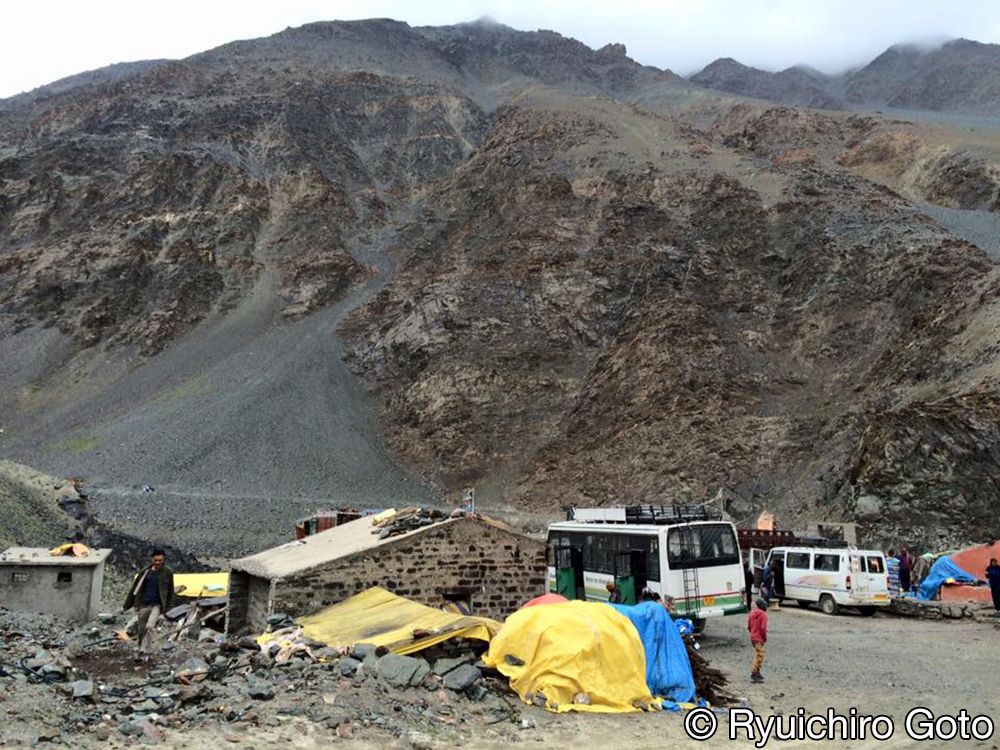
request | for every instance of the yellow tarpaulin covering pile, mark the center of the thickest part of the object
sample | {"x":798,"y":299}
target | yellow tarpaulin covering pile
{"x":201,"y":584}
{"x":381,"y":618}
{"x":579,"y":656}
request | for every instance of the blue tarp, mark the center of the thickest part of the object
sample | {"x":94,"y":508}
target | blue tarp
{"x":668,"y":670}
{"x":943,"y":569}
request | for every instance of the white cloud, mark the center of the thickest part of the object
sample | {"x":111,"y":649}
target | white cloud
{"x":43,"y":41}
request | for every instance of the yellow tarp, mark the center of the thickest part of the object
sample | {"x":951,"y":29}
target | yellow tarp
{"x":201,"y":584}
{"x":71,"y":549}
{"x":575,"y":651}
{"x":381,"y":618}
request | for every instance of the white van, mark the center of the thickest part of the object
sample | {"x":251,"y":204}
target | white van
{"x":833,"y":577}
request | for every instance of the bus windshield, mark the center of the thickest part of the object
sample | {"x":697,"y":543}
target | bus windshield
{"x":702,"y":546}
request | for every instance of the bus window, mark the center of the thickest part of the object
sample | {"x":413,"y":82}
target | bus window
{"x":653,"y":559}
{"x":701,"y":546}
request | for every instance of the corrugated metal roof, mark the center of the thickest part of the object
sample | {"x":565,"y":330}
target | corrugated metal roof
{"x":41,"y":556}
{"x":326,"y":546}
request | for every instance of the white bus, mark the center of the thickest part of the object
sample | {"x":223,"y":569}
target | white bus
{"x":686,"y":553}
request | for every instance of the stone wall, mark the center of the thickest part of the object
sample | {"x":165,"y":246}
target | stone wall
{"x":37,"y":588}
{"x":249,"y":602}
{"x":494,"y":570}
{"x":938,"y":610}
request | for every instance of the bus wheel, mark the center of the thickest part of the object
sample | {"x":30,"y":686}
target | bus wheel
{"x":866,"y":611}
{"x":828,"y":605}
{"x":699,"y":625}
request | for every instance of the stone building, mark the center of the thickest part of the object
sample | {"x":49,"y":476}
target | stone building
{"x":33,"y":580}
{"x":474,"y":562}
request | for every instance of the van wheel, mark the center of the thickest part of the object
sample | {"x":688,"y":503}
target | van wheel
{"x":866,"y":611}
{"x":828,"y":605}
{"x":804,"y":603}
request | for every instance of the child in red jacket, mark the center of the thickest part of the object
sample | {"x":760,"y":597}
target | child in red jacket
{"x":757,"y":625}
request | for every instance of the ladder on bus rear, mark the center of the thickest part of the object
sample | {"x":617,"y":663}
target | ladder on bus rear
{"x":692,"y":591}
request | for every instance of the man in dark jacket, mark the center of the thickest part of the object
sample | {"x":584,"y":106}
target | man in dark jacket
{"x":151,"y":593}
{"x":993,"y":576}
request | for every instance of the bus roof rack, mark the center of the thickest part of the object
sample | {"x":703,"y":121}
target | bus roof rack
{"x":656,"y":515}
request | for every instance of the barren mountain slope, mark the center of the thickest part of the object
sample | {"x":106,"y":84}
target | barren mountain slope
{"x":554,"y":294}
{"x":618,"y":315}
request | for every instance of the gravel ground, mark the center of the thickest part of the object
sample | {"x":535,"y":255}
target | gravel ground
{"x":878,"y":665}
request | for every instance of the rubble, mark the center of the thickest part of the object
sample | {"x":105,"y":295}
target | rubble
{"x":90,"y":686}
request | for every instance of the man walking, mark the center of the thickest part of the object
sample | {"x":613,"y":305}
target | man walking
{"x":151,"y":594}
{"x":993,"y":576}
{"x":757,"y":625}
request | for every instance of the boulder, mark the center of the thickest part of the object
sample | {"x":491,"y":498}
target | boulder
{"x":398,"y":671}
{"x":462,"y":678}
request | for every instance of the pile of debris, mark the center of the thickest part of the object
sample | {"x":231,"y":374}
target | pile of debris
{"x":410,"y":519}
{"x":64,"y":682}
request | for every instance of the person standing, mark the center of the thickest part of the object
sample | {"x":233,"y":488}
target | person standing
{"x":614,"y":593}
{"x":892,"y":573}
{"x":151,"y":594}
{"x":757,"y":625}
{"x":748,"y":582}
{"x":993,"y":576}
{"x":905,"y":567}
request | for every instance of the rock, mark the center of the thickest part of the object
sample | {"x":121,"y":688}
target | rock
{"x":261,"y":691}
{"x":399,"y":670}
{"x":462,"y":678}
{"x":345,"y":730}
{"x":418,"y":740}
{"x":151,"y":734}
{"x":279,"y":619}
{"x":193,"y":670}
{"x":85,"y":690}
{"x":52,"y":669}
{"x":423,"y":669}
{"x":130,"y":729}
{"x":107,"y":618}
{"x":444,"y":666}
{"x":348,"y":666}
{"x":102,"y":734}
{"x":361,"y":650}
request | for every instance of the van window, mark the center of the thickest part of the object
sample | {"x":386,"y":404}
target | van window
{"x":653,"y":559}
{"x":876,"y":565}
{"x":826,"y":563}
{"x":798,"y":560}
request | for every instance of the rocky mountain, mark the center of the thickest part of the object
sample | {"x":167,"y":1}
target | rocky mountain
{"x":798,"y":86}
{"x":960,"y":76}
{"x":364,"y":262}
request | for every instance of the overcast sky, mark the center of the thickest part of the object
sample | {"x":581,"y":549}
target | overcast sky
{"x":41,"y":40}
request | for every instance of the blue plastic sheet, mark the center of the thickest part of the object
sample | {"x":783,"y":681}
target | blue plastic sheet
{"x":943,"y":569}
{"x":668,"y":670}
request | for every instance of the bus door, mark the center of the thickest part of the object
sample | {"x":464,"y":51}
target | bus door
{"x":630,"y":574}
{"x":569,"y":572}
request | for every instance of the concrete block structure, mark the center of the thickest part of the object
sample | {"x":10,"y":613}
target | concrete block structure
{"x":32,"y":580}
{"x":477,"y":563}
